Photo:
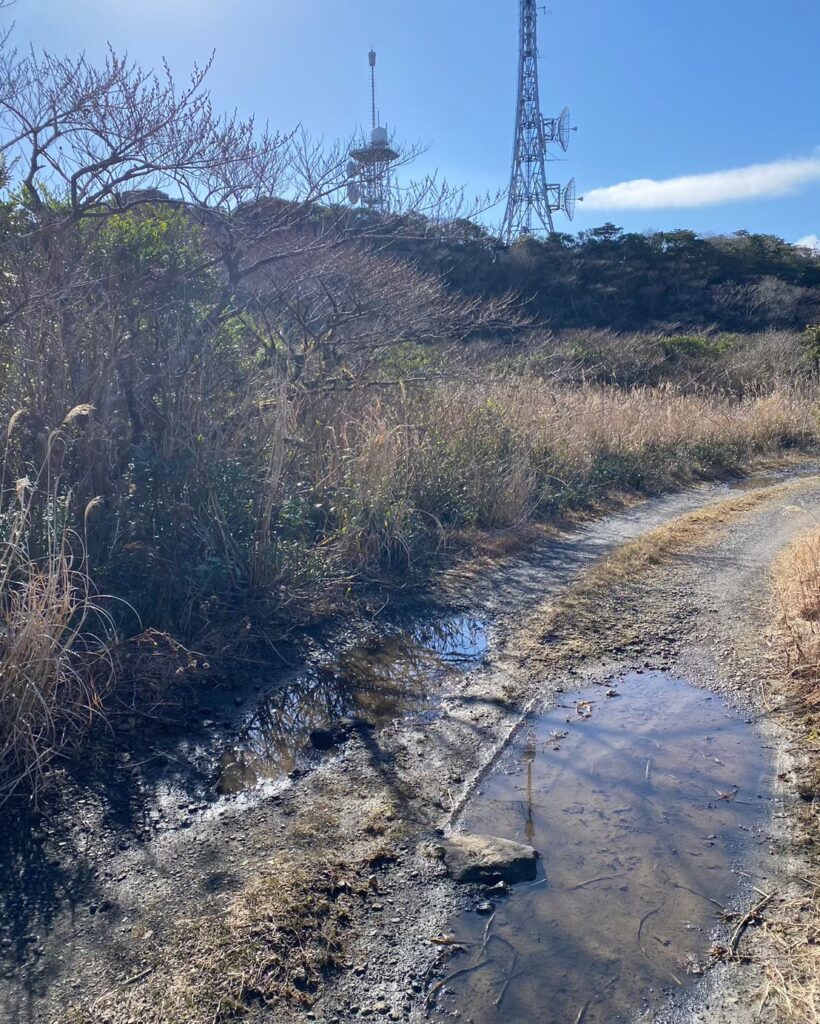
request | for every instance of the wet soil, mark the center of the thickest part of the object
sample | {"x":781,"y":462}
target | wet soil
{"x":373,"y":683}
{"x":89,"y":894}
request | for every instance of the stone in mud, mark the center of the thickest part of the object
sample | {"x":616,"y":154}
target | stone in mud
{"x":474,"y":858}
{"x":324,"y":739}
{"x":334,"y":736}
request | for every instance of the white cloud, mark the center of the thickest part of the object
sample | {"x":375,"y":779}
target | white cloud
{"x":809,"y":242}
{"x":759,"y":181}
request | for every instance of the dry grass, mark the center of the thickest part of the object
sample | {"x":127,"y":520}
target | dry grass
{"x":272,"y":946}
{"x":797,"y":593}
{"x":525,"y":446}
{"x":791,"y":955}
{"x":580,"y":423}
{"x":54,"y":670}
{"x":791,"y":993}
{"x":55,"y":663}
{"x":447,"y":458}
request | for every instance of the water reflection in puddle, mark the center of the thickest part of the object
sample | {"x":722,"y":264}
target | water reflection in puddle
{"x":380,"y":681}
{"x":641,"y":812}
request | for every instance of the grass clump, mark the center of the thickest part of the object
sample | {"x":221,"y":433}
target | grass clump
{"x":797,"y":592}
{"x":56,"y":664}
{"x":272,"y":946}
{"x":791,"y":991}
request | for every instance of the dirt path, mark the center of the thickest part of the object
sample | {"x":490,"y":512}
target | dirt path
{"x":104,"y":923}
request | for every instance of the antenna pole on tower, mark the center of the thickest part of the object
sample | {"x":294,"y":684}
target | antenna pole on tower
{"x":532,"y":198}
{"x":372,"y":59}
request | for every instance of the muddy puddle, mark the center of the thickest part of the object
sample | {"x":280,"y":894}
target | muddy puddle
{"x":645,"y":808}
{"x":377,"y":682}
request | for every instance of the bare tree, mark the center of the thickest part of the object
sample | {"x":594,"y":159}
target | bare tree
{"x":343,"y":307}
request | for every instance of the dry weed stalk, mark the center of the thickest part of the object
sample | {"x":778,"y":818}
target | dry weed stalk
{"x":55,"y":663}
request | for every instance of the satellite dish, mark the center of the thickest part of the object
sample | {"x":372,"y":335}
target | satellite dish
{"x":352,"y":168}
{"x":354,"y":193}
{"x":563,"y":129}
{"x":568,"y":204}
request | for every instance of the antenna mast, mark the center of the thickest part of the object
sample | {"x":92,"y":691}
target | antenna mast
{"x":532,"y":198}
{"x":372,"y":58}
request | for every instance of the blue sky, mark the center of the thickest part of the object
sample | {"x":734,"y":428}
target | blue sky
{"x":660,"y":89}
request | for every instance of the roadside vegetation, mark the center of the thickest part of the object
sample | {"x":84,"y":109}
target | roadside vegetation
{"x":227,"y":413}
{"x":797,"y":590}
{"x":793,"y":965}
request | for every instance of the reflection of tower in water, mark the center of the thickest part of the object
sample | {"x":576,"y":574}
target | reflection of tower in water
{"x":529,"y":757}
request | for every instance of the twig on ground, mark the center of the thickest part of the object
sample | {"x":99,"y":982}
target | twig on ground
{"x":589,"y":881}
{"x":644,"y":919}
{"x":680,"y":885}
{"x":747,"y":919}
{"x":138,"y":977}
{"x":508,"y":979}
{"x":439,"y":985}
{"x":486,"y":938}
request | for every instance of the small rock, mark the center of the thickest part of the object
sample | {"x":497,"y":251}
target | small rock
{"x":488,"y":859}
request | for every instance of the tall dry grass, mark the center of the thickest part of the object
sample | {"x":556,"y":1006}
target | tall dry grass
{"x":797,"y":592}
{"x":493,"y":455}
{"x":738,"y":363}
{"x":792,"y":959}
{"x":55,"y":662}
{"x":285,"y":509}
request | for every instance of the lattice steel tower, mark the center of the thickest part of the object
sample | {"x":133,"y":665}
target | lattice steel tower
{"x":533,"y":199}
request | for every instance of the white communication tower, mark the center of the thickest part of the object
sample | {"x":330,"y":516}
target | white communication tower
{"x":369,"y":170}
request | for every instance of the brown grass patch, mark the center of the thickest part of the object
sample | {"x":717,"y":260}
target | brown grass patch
{"x":797,"y":593}
{"x":792,"y":961}
{"x":272,"y":946}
